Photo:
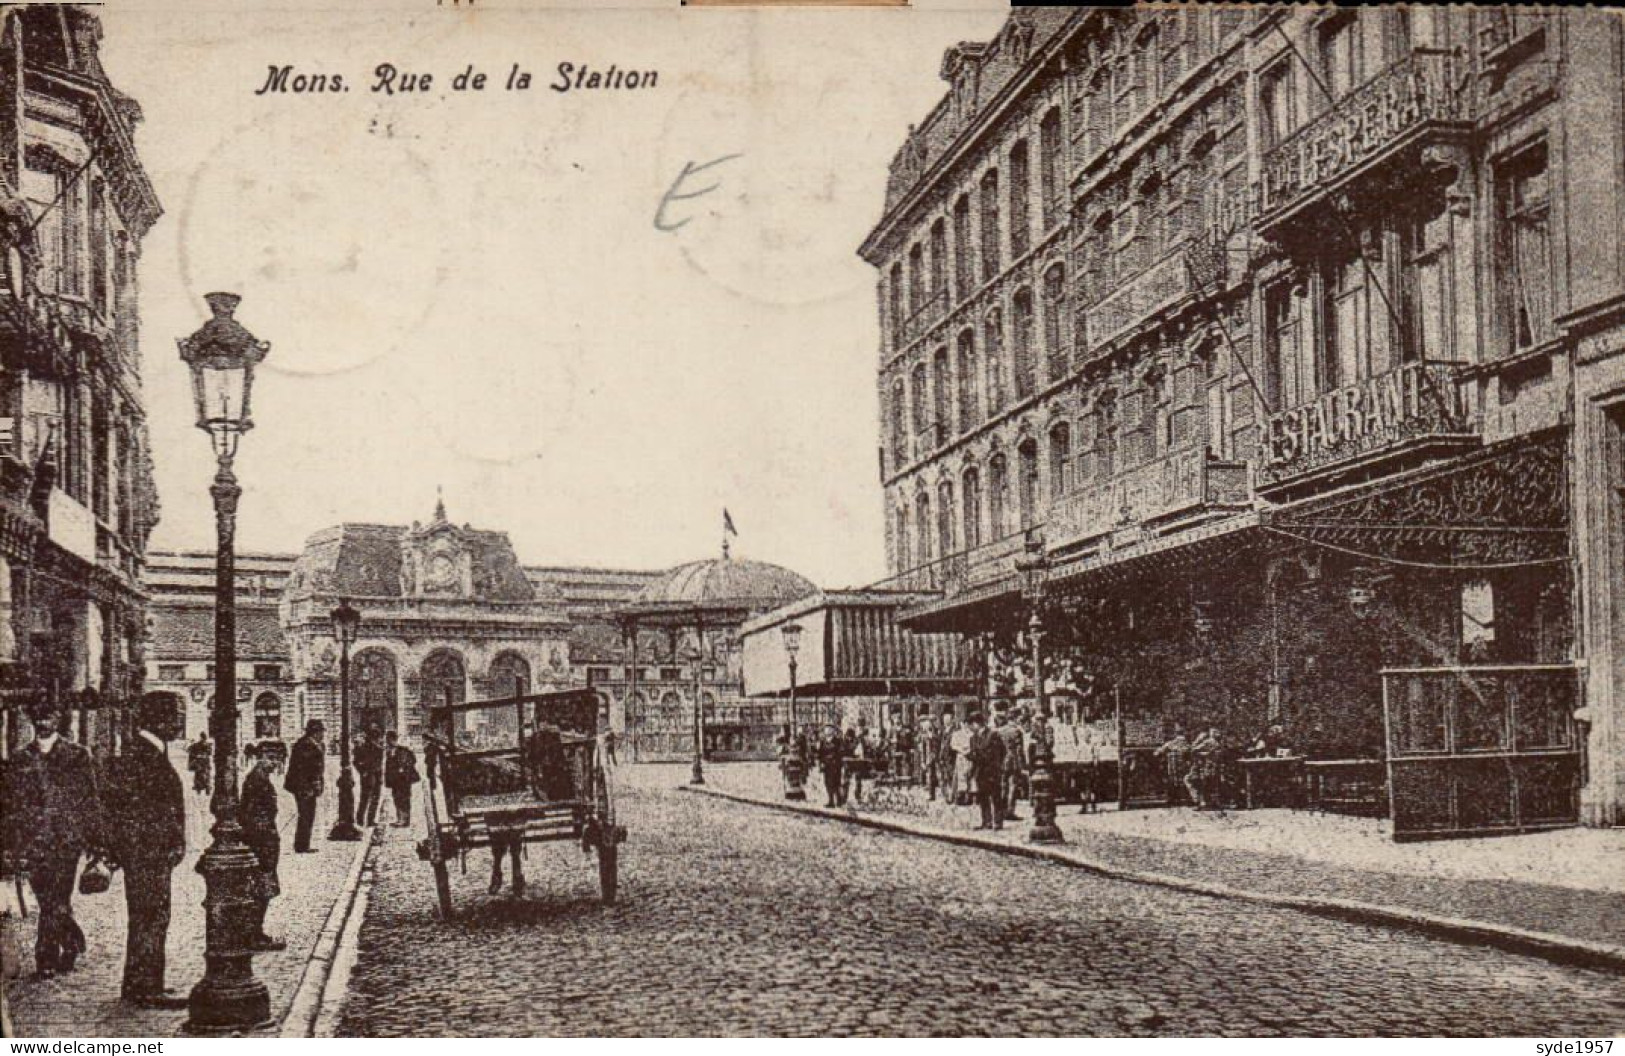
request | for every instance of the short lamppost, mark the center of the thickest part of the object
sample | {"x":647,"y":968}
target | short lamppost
{"x":1033,"y":566}
{"x":696,"y":656}
{"x":222,"y":355}
{"x":346,"y":621}
{"x":795,"y":767}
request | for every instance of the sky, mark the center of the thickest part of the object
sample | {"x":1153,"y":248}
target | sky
{"x":467,"y":290}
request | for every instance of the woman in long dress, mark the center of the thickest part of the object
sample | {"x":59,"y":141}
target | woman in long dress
{"x":959,"y":742}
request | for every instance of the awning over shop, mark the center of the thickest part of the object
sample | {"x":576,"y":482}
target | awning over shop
{"x":1187,"y":548}
{"x":1503,"y":506}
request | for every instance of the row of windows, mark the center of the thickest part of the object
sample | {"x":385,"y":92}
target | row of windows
{"x":82,"y":255}
{"x":179,"y":672}
{"x":987,"y":367}
{"x":977,"y":246}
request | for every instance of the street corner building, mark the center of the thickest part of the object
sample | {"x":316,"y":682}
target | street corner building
{"x":1290,"y":343}
{"x":77,"y":501}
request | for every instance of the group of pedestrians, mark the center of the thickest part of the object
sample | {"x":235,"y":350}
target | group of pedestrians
{"x":62,"y":809}
{"x":969,"y":762}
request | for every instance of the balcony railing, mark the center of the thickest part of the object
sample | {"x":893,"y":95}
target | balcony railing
{"x":1153,"y":289}
{"x":1412,"y":405}
{"x":1181,"y":483}
{"x":1413,"y":93}
{"x":964,"y":570}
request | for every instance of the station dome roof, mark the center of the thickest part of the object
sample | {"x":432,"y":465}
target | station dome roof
{"x":724,"y":583}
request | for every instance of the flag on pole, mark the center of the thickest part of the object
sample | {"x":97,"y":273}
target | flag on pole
{"x":728,"y":523}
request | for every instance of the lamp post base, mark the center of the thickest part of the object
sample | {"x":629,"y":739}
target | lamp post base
{"x":697,"y":777}
{"x":1045,"y":829}
{"x":345,"y":828}
{"x":229,"y":998}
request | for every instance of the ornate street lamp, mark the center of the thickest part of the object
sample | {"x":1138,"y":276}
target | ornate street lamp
{"x":696,"y":656}
{"x":346,"y":621}
{"x":222,"y":356}
{"x":1034,"y":566}
{"x":795,"y":768}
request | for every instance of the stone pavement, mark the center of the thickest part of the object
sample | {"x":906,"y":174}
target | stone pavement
{"x":733,"y":920}
{"x":1567,"y":885}
{"x":86,"y":1003}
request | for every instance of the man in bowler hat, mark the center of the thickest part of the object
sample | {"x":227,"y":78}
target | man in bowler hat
{"x":146,"y":803}
{"x":305,"y":781}
{"x":256,"y":814}
{"x":52,"y":816}
{"x":987,"y":772}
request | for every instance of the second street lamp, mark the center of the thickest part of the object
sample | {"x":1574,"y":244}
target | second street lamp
{"x":222,"y":355}
{"x":795,"y":767}
{"x":1033,"y":566}
{"x":346,"y":621}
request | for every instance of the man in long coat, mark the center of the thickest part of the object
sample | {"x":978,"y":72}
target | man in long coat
{"x":256,"y":813}
{"x":52,"y":817}
{"x":146,"y":803}
{"x":306,"y":764}
{"x":369,"y":762}
{"x":987,"y":771}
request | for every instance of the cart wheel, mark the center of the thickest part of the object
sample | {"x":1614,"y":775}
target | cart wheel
{"x":609,"y":869}
{"x":442,"y":888}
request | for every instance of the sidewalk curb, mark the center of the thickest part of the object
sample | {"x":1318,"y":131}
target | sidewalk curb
{"x":307,"y":1004}
{"x":1558,"y":948}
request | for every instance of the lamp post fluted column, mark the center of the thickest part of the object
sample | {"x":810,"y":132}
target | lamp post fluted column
{"x":345,"y":620}
{"x":229,"y":996}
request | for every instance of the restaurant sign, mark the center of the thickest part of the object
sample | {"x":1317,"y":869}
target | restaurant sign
{"x":1390,"y":410}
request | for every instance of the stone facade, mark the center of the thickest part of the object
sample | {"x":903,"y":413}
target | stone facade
{"x":77,"y":501}
{"x":1184,"y":302}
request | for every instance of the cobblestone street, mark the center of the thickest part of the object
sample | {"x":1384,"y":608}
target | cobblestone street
{"x":736,"y":920}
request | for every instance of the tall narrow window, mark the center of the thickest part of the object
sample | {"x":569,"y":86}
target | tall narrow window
{"x":1286,"y":366}
{"x":1050,"y":175}
{"x":1277,"y":104}
{"x":964,"y":264}
{"x":921,"y":398}
{"x":1060,"y":460}
{"x":99,"y":246}
{"x":73,"y":236}
{"x":971,"y":493}
{"x":894,"y":297}
{"x":1020,"y":190}
{"x":1427,"y":288}
{"x":969,"y":416}
{"x":940,"y":409}
{"x":1027,"y":453}
{"x":905,"y":556}
{"x":1523,"y":250}
{"x":998,"y":485}
{"x":1343,"y":55}
{"x":899,"y":426}
{"x":993,"y":357}
{"x":945,"y":519}
{"x":990,"y":225}
{"x":1106,"y":461}
{"x":916,"y":279}
{"x":923,"y":527}
{"x":1347,"y":325}
{"x":1021,"y":342}
{"x":939,"y":258}
{"x":1055,"y":342}
{"x":1098,"y":126}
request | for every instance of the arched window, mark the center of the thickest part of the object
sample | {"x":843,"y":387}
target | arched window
{"x":993,"y":354}
{"x":940,"y":409}
{"x":443,"y":680}
{"x":939,"y":258}
{"x":899,"y":425}
{"x":1027,"y":453}
{"x":916,"y":278}
{"x":971,"y":492}
{"x":894,"y":306}
{"x":1021,"y":342}
{"x":998,"y":484}
{"x":990,"y":224}
{"x":904,"y":554}
{"x":1020,"y":189}
{"x":1055,"y":342}
{"x":510,"y":676}
{"x":968,"y":410}
{"x":964,"y":263}
{"x":916,"y":381}
{"x":1060,"y":460}
{"x":1051,"y":176}
{"x":268,"y":717}
{"x":945,"y":518}
{"x":922,"y":526}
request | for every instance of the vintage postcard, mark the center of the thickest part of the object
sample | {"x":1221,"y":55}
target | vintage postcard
{"x":892,"y":520}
